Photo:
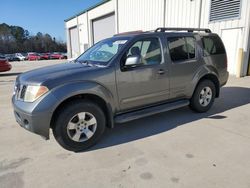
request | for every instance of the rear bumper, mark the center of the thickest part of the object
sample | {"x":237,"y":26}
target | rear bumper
{"x":35,"y":117}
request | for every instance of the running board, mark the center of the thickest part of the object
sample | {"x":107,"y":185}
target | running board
{"x":130,"y":116}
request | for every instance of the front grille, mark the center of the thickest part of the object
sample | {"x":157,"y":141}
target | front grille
{"x":23,"y":90}
{"x":20,"y":91}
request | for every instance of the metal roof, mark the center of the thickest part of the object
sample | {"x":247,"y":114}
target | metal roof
{"x":86,"y":10}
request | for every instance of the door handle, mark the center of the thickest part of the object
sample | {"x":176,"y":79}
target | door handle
{"x":161,"y":71}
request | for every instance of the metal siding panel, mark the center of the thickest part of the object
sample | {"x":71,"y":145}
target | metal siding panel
{"x":181,"y":13}
{"x":71,"y":23}
{"x":148,"y":14}
{"x":102,"y":10}
{"x":83,"y":32}
{"x":140,"y":14}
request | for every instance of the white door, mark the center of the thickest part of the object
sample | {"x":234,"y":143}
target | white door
{"x":103,"y":27}
{"x":74,"y":42}
{"x":231,"y":40}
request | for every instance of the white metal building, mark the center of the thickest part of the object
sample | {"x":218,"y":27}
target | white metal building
{"x":228,"y":18}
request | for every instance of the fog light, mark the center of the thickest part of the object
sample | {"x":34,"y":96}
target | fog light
{"x":26,"y":124}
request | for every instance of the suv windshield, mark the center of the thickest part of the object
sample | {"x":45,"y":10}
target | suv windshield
{"x":102,"y":52}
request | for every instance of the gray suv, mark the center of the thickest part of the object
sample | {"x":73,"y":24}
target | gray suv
{"x":120,"y":79}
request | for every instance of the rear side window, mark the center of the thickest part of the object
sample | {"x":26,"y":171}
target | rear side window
{"x":212,"y":45}
{"x":181,"y":48}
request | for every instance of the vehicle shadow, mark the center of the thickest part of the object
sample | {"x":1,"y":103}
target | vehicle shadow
{"x":231,"y":97}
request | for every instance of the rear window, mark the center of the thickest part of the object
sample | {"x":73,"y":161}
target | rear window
{"x":212,"y":45}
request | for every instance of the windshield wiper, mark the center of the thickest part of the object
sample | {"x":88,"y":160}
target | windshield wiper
{"x":89,"y":63}
{"x":85,"y":62}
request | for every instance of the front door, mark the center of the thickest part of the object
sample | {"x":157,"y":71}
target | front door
{"x":145,"y":82}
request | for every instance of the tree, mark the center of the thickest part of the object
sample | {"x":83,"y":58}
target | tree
{"x":16,"y":39}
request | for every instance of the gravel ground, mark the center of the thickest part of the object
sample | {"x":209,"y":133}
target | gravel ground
{"x":174,"y":149}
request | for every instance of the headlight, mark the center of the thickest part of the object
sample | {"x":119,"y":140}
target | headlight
{"x":15,"y":88}
{"x":34,"y":92}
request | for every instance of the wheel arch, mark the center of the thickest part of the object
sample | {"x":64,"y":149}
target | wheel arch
{"x":87,"y":96}
{"x":212,"y":77}
{"x":84,"y":90}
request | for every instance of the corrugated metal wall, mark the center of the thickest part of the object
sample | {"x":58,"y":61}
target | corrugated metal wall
{"x":149,"y":14}
{"x":140,"y":14}
{"x":182,"y":13}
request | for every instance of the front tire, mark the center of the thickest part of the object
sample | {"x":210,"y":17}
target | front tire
{"x":203,"y":97}
{"x":79,"y":125}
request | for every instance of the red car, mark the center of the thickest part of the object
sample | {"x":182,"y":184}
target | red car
{"x":45,"y":56}
{"x":58,"y":55}
{"x":4,"y":65}
{"x":33,"y":56}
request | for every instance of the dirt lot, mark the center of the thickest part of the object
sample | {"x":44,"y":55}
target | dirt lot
{"x":174,"y":149}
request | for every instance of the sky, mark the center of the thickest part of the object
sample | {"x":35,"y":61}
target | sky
{"x":46,"y":16}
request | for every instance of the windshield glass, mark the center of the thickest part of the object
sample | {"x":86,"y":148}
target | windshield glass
{"x":102,"y":52}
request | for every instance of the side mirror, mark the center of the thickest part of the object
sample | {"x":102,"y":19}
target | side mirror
{"x":133,"y":60}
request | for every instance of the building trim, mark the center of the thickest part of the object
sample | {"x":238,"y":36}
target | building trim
{"x":70,"y":40}
{"x":86,"y":10}
{"x":164,"y":13}
{"x":117,"y":16}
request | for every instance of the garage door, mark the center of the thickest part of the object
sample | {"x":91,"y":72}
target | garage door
{"x":74,"y":42}
{"x":103,"y":27}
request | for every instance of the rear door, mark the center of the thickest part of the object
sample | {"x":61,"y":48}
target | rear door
{"x":183,"y":58}
{"x":147,"y":83}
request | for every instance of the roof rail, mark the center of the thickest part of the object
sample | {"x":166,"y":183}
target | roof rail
{"x":164,"y":29}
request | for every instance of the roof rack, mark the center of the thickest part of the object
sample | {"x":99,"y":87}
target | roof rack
{"x":164,"y":29}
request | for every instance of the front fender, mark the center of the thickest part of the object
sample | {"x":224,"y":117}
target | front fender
{"x":69,"y":90}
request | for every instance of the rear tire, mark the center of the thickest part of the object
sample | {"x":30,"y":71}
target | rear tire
{"x":203,"y":97}
{"x":79,"y":125}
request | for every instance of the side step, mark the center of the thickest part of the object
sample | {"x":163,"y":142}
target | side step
{"x":130,"y":116}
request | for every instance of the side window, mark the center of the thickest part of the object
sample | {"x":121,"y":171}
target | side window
{"x":212,"y":45}
{"x":181,"y":48}
{"x":148,"y":49}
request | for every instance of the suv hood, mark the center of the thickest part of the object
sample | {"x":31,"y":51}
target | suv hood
{"x":55,"y":73}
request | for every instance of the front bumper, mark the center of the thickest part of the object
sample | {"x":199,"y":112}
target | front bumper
{"x":35,"y":117}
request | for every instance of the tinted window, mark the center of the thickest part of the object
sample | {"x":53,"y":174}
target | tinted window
{"x":181,"y":48}
{"x":149,"y":50}
{"x":212,"y":45}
